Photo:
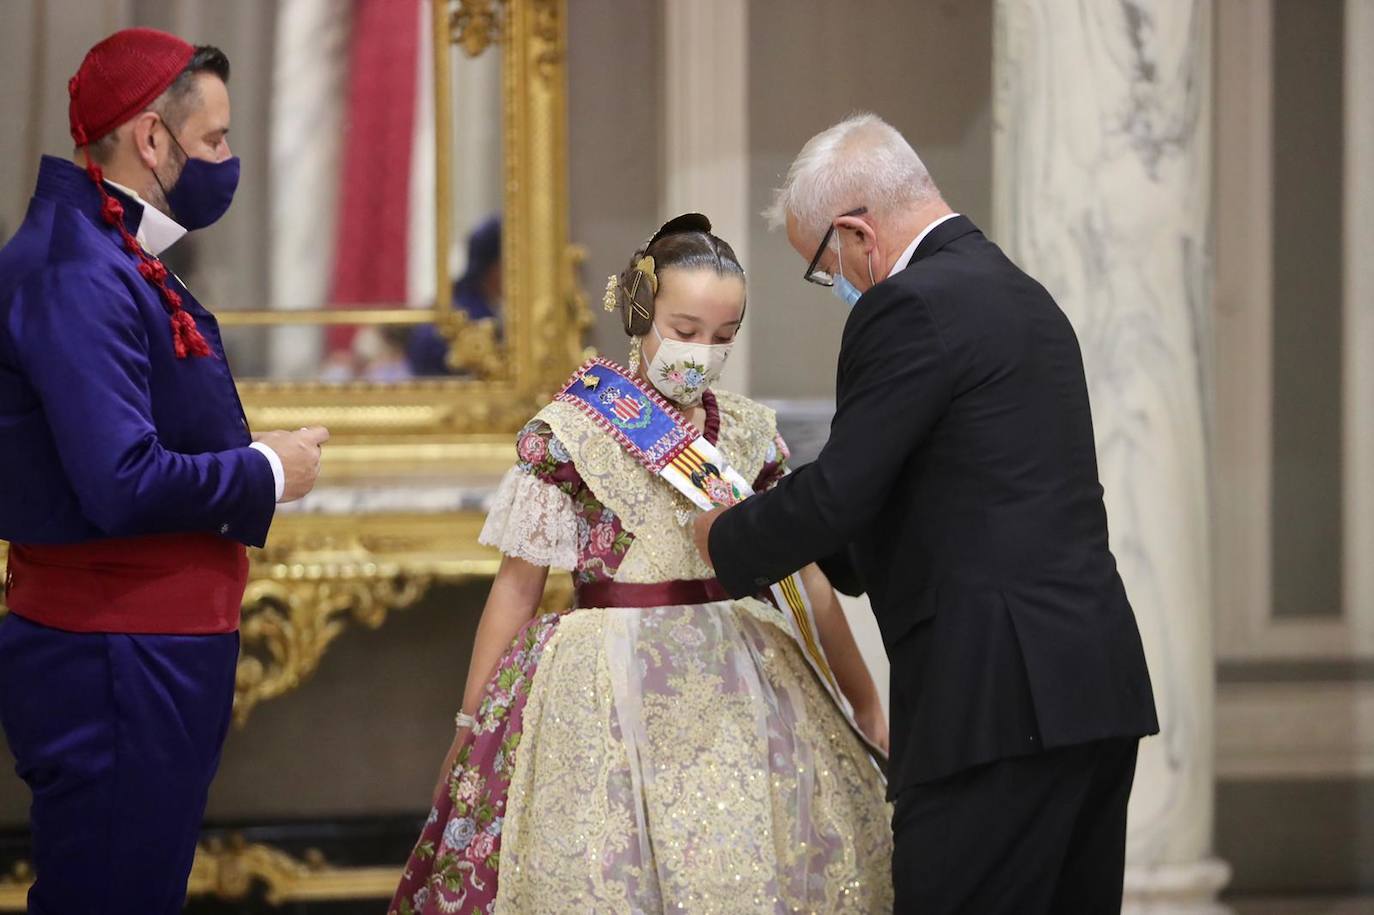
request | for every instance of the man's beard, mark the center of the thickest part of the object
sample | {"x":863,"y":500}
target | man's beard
{"x":159,"y":183}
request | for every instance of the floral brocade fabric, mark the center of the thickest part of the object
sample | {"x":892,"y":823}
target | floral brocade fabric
{"x":455,"y":862}
{"x":646,"y":760}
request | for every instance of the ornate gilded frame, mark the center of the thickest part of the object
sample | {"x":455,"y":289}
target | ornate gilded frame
{"x":545,"y":312}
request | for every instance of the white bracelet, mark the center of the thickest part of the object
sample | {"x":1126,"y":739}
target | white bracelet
{"x":464,"y":720}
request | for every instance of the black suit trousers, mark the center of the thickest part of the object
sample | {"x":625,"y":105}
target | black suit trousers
{"x":1044,"y":833}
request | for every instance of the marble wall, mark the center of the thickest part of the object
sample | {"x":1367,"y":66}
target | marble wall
{"x":1295,"y":699}
{"x":615,"y":158}
{"x":927,"y":69}
{"x":705,"y":118}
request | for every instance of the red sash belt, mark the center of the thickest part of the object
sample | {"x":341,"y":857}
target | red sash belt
{"x":167,"y":584}
{"x":659,"y":594}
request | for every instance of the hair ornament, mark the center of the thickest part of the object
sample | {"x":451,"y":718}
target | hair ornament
{"x":645,"y":268}
{"x":612,"y":285}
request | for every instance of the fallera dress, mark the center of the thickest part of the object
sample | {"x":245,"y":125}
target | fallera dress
{"x":673,"y":757}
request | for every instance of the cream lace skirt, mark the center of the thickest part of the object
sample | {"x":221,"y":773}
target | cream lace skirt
{"x":685,"y":759}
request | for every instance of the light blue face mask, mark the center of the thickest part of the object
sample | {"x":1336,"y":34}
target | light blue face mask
{"x":844,"y":290}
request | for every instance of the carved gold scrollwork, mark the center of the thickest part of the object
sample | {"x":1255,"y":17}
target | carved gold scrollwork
{"x":547,"y":32}
{"x":14,"y":887}
{"x":20,"y":874}
{"x":474,"y":25}
{"x":574,"y":256}
{"x":474,"y":347}
{"x":288,"y":625}
{"x":233,"y":869}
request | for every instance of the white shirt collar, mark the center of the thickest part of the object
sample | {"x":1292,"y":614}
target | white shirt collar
{"x":156,"y":230}
{"x":910,"y":251}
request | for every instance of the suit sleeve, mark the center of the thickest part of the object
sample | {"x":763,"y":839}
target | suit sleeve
{"x":843,"y":572}
{"x":85,"y":351}
{"x":895,"y":383}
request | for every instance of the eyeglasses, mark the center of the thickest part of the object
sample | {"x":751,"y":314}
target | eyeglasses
{"x":823,"y":277}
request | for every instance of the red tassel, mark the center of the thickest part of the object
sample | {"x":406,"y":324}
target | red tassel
{"x":186,"y":338}
{"x":112,"y":210}
{"x":152,"y":271}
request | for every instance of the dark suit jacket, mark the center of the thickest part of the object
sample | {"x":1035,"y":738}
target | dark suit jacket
{"x":961,"y":478}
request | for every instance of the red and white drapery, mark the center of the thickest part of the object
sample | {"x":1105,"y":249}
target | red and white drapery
{"x":352,"y":169}
{"x":384,"y":119}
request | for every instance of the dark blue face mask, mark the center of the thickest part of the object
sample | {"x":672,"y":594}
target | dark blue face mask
{"x":203,"y":192}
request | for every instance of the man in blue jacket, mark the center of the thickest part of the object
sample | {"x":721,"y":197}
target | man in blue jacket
{"x":129,"y":484}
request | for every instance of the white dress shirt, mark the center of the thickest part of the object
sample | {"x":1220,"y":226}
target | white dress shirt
{"x":156,"y":230}
{"x":910,"y":251}
{"x":278,"y":471}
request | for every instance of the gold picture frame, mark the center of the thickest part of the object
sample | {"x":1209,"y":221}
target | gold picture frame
{"x":467,"y":421}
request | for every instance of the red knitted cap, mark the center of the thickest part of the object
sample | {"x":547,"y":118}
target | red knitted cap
{"x":120,"y":77}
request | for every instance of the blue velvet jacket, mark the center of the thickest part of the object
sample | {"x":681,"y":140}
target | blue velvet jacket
{"x":104,"y":432}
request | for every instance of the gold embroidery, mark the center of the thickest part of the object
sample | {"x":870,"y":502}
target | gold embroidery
{"x":703,"y":726}
{"x":699,"y":725}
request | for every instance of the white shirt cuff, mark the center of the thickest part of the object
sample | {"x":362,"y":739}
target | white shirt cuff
{"x":278,"y":472}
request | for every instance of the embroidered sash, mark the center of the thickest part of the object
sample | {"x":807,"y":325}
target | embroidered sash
{"x":663,"y":441}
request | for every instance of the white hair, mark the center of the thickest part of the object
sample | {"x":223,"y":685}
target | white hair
{"x":863,"y":161}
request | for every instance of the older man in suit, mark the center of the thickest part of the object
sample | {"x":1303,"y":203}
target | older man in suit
{"x":959,"y":489}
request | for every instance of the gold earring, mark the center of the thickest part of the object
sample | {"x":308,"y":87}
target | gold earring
{"x":636,"y":353}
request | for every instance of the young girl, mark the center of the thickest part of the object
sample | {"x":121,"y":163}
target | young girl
{"x":659,"y":746}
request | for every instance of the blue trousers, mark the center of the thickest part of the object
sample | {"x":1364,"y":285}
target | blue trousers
{"x":118,"y":738}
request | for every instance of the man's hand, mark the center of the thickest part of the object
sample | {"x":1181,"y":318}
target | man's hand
{"x":300,"y":457}
{"x":701,"y":533}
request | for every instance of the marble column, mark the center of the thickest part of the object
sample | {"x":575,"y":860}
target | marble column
{"x":705,"y":129}
{"x":1102,"y":191}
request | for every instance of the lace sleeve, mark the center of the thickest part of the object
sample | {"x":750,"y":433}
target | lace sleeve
{"x":532,"y":520}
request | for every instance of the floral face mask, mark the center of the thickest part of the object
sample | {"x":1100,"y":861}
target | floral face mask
{"x":683,"y":371}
